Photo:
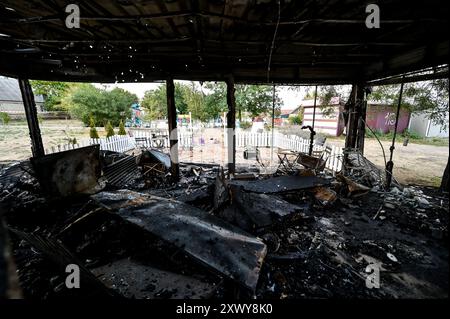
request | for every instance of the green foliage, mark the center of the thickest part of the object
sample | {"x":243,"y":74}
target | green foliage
{"x":121,"y":129}
{"x":296,"y":120}
{"x":413,"y":137}
{"x":93,"y":131}
{"x":5,"y":118}
{"x":326,"y":93}
{"x":196,"y":103}
{"x":254,"y":99}
{"x":245,"y":125}
{"x":109,"y":129}
{"x":155,"y":101}
{"x":212,"y":102}
{"x":427,"y":97}
{"x":53,"y":93}
{"x":215,"y":99}
{"x":88,"y":101}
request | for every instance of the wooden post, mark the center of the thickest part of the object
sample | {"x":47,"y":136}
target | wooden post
{"x":361,"y":123}
{"x":173,"y":134}
{"x":231,"y":125}
{"x":354,"y":115}
{"x":37,"y":147}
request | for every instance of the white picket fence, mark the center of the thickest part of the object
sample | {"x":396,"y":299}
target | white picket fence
{"x":185,"y":138}
{"x":124,"y":143}
{"x":116,"y":143}
{"x":288,"y":142}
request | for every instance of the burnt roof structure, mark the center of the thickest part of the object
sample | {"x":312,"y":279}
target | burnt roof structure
{"x":309,"y":42}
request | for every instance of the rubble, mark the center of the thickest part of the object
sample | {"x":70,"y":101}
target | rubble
{"x":69,"y":172}
{"x":206,"y":236}
{"x":138,"y":281}
{"x":281,"y":184}
{"x":201,"y":235}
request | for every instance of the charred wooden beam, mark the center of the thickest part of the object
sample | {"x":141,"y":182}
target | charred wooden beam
{"x":9,"y":283}
{"x":354,"y":114}
{"x":231,"y":125}
{"x":37,"y":146}
{"x":361,"y":133}
{"x":441,"y":74}
{"x":173,"y":134}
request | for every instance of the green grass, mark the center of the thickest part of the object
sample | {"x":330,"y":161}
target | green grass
{"x":435,"y":181}
{"x":413,"y":138}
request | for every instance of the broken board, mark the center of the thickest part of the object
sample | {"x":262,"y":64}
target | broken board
{"x":207,"y":238}
{"x":132,"y":279}
{"x":281,"y":184}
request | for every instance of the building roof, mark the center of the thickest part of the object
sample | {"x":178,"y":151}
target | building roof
{"x":287,"y":112}
{"x":316,"y":42}
{"x":10,"y":91}
{"x":334,"y":101}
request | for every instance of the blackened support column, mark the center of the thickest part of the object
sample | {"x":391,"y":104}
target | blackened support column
{"x":362,"y":101}
{"x":173,"y":133}
{"x":37,"y":147}
{"x":231,"y":126}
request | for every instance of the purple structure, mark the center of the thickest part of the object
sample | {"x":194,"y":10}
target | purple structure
{"x":382,"y":118}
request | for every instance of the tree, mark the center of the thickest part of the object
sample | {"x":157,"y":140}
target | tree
{"x":52,"y":92}
{"x":216,"y":99}
{"x":254,"y":99}
{"x":121,"y":129}
{"x":296,"y":119}
{"x":195,"y":103}
{"x":86,"y":101}
{"x":5,"y":118}
{"x":93,"y":131}
{"x":155,"y":101}
{"x":109,"y":129}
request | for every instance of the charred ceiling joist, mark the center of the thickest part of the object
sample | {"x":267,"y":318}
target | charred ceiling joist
{"x":316,"y":42}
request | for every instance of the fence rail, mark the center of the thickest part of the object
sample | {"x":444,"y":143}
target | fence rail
{"x":117,"y":143}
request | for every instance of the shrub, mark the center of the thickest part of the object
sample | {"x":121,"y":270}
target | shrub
{"x":93,"y":131}
{"x":122,"y":128}
{"x":109,"y":130}
{"x":5,"y":118}
{"x":296,"y":120}
{"x":245,"y":125}
{"x":411,"y":135}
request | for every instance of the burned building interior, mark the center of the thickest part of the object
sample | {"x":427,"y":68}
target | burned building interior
{"x":142,"y":225}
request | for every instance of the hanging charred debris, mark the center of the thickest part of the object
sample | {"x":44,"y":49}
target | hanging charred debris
{"x":137,"y":233}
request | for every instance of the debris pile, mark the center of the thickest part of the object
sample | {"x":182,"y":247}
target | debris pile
{"x":136,"y":233}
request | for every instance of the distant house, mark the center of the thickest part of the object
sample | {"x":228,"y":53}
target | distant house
{"x":286,"y":113}
{"x":328,"y":120}
{"x":11,"y":97}
{"x":381,"y":118}
{"x":421,"y":125}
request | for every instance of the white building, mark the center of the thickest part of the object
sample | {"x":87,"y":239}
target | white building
{"x":11,"y":97}
{"x":423,"y":126}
